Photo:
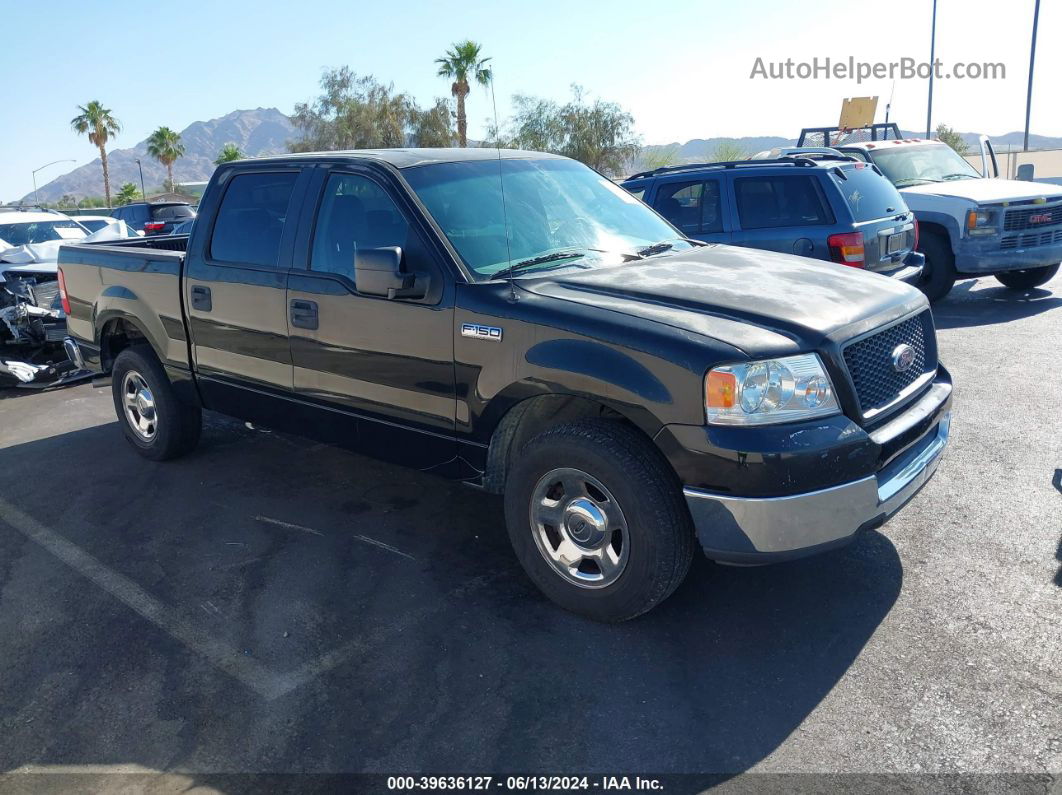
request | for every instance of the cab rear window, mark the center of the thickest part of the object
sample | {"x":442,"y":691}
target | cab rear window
{"x":868,"y":194}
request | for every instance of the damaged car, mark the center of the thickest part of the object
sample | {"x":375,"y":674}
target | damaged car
{"x":32,"y":321}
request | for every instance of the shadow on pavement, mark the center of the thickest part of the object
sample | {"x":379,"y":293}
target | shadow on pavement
{"x":440,"y":659}
{"x":966,"y":307}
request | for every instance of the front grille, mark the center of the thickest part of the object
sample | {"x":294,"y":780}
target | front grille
{"x":1030,"y":239}
{"x":1019,"y":220}
{"x":870,"y":365}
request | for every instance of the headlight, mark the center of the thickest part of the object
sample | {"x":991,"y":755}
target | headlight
{"x":981,"y":222}
{"x":773,"y":390}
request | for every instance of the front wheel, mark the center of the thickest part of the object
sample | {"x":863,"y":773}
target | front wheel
{"x":1028,"y":278}
{"x":938,"y":274}
{"x":597,"y":520}
{"x":154,"y":421}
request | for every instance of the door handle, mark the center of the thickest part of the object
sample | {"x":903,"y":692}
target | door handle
{"x":303,"y":314}
{"x":201,"y":298}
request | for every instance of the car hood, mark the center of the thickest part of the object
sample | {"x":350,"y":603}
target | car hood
{"x":987,"y":191}
{"x":33,"y":257}
{"x":760,"y":302}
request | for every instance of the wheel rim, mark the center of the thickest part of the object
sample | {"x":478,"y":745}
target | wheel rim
{"x":139,"y":406}
{"x":579,"y":528}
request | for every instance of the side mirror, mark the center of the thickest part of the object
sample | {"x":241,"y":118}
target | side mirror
{"x":378,"y":271}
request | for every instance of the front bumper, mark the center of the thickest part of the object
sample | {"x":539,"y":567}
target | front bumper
{"x":984,"y":256}
{"x":755,"y":530}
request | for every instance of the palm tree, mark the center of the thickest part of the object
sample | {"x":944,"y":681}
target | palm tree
{"x":228,"y":153}
{"x":97,"y":122}
{"x":461,"y":63}
{"x":165,"y":146}
{"x":127,"y":194}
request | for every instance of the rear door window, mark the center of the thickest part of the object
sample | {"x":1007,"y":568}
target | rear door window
{"x":776,"y":201}
{"x":251,"y":218}
{"x":869,"y":195}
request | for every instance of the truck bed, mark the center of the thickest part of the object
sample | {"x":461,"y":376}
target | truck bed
{"x":135,"y":282}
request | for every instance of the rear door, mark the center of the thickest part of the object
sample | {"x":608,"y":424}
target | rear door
{"x":695,"y":206}
{"x":235,"y":286}
{"x":387,"y":363}
{"x":782,"y":212}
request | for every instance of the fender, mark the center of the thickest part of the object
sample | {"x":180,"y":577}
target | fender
{"x":165,"y":335}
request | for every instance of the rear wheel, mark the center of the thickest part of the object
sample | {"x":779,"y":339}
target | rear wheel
{"x":1028,"y":278}
{"x":597,"y":520}
{"x":938,"y":274}
{"x":153,"y":420}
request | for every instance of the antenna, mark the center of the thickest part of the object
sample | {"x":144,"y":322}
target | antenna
{"x":501,"y":185}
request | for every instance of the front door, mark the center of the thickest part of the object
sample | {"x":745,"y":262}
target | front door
{"x":694,"y":206}
{"x":387,"y":363}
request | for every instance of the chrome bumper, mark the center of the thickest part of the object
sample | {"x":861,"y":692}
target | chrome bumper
{"x":758,"y":530}
{"x":73,"y":352}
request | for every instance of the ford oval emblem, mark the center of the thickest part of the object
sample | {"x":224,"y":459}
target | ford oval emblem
{"x":903,"y":357}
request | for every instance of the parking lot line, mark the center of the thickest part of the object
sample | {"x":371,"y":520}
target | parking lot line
{"x":267,"y":683}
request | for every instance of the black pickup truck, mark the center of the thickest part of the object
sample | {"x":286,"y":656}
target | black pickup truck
{"x":517,"y":321}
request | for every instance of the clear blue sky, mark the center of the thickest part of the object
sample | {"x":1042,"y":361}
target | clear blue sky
{"x":682,"y":68}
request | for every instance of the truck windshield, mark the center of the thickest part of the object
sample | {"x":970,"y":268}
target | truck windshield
{"x":40,"y":232}
{"x":551,"y":206}
{"x":914,"y":165}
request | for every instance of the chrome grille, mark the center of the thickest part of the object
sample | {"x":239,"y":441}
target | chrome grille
{"x":1019,"y":220}
{"x":869,"y":360}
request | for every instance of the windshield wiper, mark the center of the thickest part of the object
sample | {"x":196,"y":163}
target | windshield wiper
{"x":958,"y":176}
{"x":655,"y":248}
{"x":504,"y":273}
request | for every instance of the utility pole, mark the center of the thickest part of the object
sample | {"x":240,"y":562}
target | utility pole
{"x":1032,"y":63}
{"x":932,"y":69}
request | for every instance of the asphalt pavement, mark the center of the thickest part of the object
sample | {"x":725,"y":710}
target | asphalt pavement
{"x":272,"y":605}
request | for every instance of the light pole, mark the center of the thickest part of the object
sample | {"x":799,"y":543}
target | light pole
{"x":932,"y":69}
{"x":143,"y":193}
{"x":35,"y":199}
{"x":1032,"y":62}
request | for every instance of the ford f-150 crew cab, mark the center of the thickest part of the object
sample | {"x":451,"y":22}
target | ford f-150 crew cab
{"x":517,"y":321}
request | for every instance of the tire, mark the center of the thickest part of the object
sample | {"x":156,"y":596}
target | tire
{"x":1028,"y":278}
{"x":153,"y":420}
{"x":603,"y":467}
{"x":938,"y":274}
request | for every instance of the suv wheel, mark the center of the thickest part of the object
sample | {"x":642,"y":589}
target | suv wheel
{"x":597,"y":520}
{"x":938,"y":274}
{"x":1028,"y":278}
{"x":153,"y":420}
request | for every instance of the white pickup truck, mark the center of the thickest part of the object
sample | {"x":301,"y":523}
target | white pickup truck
{"x":971,"y":223}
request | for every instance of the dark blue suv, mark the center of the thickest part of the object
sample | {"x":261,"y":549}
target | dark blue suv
{"x":822,"y":205}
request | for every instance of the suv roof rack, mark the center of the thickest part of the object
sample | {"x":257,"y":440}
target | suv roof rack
{"x":798,"y":160}
{"x":877,"y":132}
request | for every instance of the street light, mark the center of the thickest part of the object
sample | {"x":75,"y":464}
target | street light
{"x":143,"y":193}
{"x":35,"y":199}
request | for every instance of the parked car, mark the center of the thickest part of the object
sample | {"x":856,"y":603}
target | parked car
{"x":94,"y":223}
{"x":517,"y":321}
{"x":821,"y":204}
{"x":157,"y":218}
{"x":972,"y":223}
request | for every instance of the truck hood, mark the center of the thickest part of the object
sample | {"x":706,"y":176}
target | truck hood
{"x":760,"y":302}
{"x":987,"y":191}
